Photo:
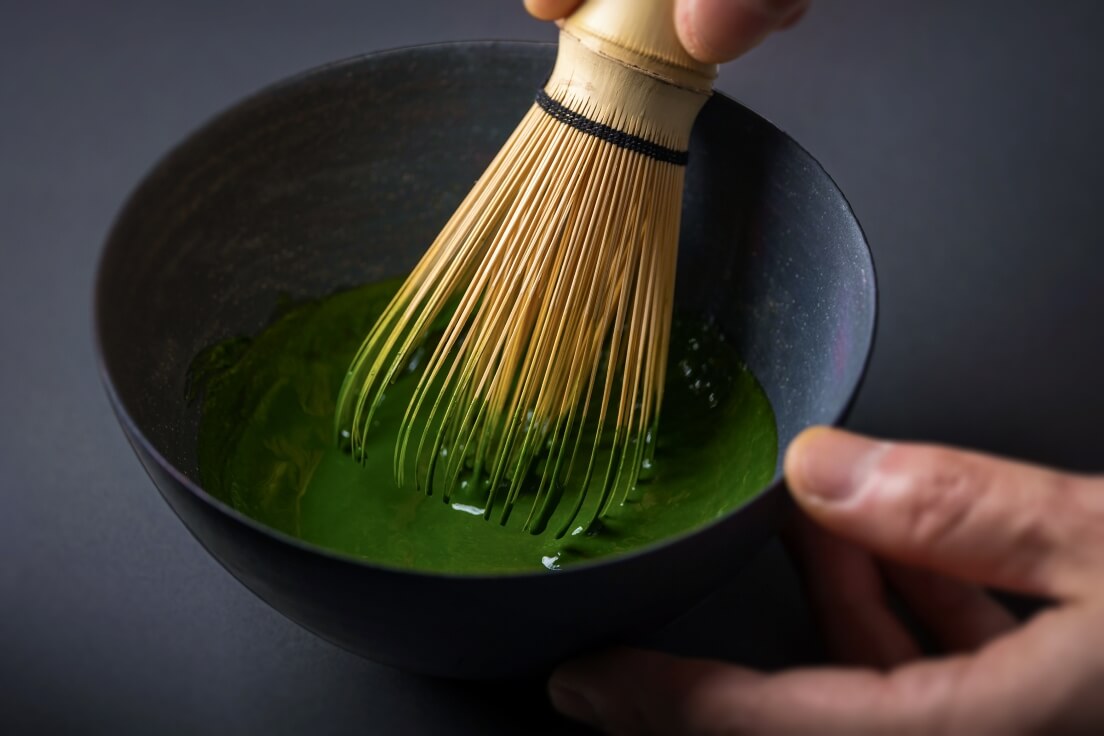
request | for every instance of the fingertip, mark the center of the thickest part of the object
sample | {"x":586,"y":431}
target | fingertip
{"x":716,"y":31}
{"x":569,"y":676}
{"x":582,"y":689}
{"x":575,"y":687}
{"x":572,"y":703}
{"x":551,"y":9}
{"x":696,"y":23}
{"x":827,"y":466}
{"x":793,"y":462}
{"x":685,"y":13}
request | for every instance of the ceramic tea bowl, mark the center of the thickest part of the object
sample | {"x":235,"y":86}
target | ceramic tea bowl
{"x":342,"y":176}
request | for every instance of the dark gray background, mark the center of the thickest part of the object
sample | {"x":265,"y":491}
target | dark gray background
{"x":966,"y":134}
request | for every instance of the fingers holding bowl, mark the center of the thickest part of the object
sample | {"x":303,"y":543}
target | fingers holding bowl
{"x":952,"y":513}
{"x":848,"y":598}
{"x":849,"y":592}
{"x":990,"y":521}
{"x":1042,"y":679}
{"x":960,"y":616}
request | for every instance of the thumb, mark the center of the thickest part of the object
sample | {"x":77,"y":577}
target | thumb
{"x":716,"y":31}
{"x":994,"y":522}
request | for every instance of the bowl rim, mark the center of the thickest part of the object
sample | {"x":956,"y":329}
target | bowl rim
{"x":135,"y":435}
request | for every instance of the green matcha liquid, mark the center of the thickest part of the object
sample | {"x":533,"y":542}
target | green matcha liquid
{"x":266,"y":447}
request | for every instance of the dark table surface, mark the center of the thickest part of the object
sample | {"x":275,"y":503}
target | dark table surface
{"x":969,"y":138}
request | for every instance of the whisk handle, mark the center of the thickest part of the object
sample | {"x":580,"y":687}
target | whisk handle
{"x":640,"y":34}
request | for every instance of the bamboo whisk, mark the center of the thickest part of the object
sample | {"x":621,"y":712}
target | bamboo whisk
{"x":558,"y":269}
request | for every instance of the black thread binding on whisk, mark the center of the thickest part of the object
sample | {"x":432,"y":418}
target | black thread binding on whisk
{"x":624,"y":140}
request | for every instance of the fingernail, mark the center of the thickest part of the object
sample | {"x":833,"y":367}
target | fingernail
{"x":828,"y":465}
{"x":573,"y":704}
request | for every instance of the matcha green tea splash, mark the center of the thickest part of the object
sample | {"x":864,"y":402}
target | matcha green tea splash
{"x":266,"y":447}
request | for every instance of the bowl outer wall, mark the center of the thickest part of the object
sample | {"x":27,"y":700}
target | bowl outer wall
{"x":768,"y":244}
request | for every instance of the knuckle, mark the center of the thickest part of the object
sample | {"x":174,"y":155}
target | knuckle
{"x":939,"y":492}
{"x":1080,"y":501}
{"x":1018,"y":522}
{"x":1073,"y":511}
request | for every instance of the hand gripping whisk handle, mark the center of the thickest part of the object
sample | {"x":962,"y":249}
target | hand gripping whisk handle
{"x":641,"y":35}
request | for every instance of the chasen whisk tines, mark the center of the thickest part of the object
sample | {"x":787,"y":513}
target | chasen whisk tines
{"x":554,"y":283}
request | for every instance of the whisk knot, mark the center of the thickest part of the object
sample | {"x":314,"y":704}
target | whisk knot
{"x":610,"y":134}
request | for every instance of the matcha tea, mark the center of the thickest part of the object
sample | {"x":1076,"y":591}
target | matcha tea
{"x":267,"y":448}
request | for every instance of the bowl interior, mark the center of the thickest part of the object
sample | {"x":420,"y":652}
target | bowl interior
{"x":343,"y":176}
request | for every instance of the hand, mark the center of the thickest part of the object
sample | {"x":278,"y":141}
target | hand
{"x":932,"y":524}
{"x":713,"y":31}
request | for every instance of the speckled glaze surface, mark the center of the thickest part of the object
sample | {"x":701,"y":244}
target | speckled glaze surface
{"x":341,"y":176}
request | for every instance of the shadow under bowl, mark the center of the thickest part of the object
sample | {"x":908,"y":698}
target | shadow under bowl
{"x":342,"y":176}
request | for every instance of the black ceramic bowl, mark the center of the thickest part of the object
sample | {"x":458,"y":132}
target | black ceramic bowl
{"x":342,"y":176}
